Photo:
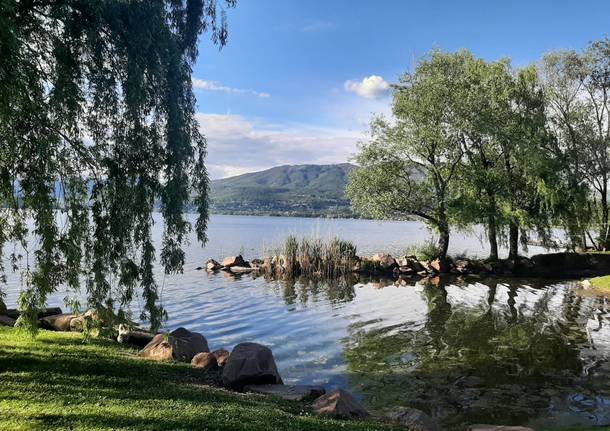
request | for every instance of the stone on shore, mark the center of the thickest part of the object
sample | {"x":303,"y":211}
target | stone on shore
{"x":134,"y":337}
{"x":222,"y":356}
{"x":7,"y":321}
{"x":51,"y":311}
{"x":288,"y":392}
{"x":212,"y":265}
{"x":386,"y":261}
{"x":58,"y":322}
{"x":230,"y":261}
{"x":204,"y":360}
{"x":341,"y":404}
{"x":482,"y":427}
{"x":241,"y":269}
{"x":250,"y":364}
{"x":412,"y":419}
{"x":77,"y":324}
{"x":179,"y":345}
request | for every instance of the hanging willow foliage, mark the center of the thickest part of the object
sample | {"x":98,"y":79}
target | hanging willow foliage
{"x":96,"y":128}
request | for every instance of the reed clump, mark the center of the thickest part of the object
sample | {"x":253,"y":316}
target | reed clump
{"x":313,"y":257}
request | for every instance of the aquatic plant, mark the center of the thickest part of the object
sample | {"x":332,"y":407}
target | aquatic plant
{"x":427,"y":250}
{"x":313,"y":257}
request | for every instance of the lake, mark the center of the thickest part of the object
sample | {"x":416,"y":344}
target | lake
{"x":466,"y":350}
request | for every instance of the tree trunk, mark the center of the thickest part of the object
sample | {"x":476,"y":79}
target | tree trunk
{"x":443,"y":242}
{"x":492,"y":233}
{"x":603,"y":237}
{"x":513,"y":241}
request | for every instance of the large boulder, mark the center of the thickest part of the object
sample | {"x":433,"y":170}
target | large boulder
{"x":7,"y":321}
{"x":58,"y":322}
{"x":230,"y":261}
{"x":211,"y":265}
{"x":386,"y":261}
{"x":340,"y":404}
{"x":250,"y":364}
{"x":204,"y":360}
{"x":179,"y":345}
{"x":136,"y":337}
{"x":412,"y":419}
{"x":288,"y":392}
{"x":221,"y":356}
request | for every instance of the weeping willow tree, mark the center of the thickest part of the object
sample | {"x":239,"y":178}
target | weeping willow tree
{"x":96,"y":128}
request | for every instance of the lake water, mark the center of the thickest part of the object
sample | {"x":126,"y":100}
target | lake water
{"x":465,"y":350}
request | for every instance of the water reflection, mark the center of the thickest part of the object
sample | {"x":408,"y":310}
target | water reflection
{"x":491,"y":360}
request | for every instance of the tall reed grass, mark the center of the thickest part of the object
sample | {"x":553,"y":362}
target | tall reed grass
{"x":314,"y":257}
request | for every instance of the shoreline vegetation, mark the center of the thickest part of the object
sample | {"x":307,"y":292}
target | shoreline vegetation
{"x":316,"y":258}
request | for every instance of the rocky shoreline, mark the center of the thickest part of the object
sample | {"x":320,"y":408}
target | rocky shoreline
{"x":572,"y":265}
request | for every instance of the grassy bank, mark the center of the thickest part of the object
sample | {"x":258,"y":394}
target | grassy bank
{"x":58,"y":382}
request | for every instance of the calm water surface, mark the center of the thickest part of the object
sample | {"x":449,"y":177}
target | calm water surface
{"x":465,"y":350}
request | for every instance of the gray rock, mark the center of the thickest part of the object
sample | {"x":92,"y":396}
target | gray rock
{"x":204,"y":360}
{"x":221,"y":355}
{"x":412,"y":419}
{"x":240,"y":269}
{"x":212,"y":265}
{"x":58,"y":322}
{"x":230,"y":261}
{"x":341,"y":404}
{"x":179,"y":345}
{"x":288,"y":392}
{"x":7,"y":321}
{"x":250,"y":364}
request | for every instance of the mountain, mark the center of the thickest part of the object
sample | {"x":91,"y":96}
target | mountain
{"x":299,"y":190}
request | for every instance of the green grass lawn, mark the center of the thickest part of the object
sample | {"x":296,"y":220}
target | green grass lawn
{"x":602,"y":283}
{"x":57,"y":381}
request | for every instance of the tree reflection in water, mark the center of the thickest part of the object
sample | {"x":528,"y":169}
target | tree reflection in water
{"x":491,"y":362}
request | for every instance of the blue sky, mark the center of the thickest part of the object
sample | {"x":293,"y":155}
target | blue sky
{"x":300,"y":79}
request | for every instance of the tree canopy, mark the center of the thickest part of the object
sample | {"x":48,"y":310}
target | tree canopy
{"x":474,"y":142}
{"x":96,"y":127}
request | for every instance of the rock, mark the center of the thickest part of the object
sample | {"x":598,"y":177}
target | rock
{"x":134,"y":337}
{"x":51,"y":311}
{"x":221,"y":356}
{"x":481,"y":427}
{"x":58,"y":322}
{"x":250,"y":364}
{"x":439,"y":266}
{"x":463,"y":266}
{"x":412,"y":419}
{"x":340,"y":404}
{"x":7,"y":321}
{"x":411,"y":262}
{"x":77,"y":324}
{"x":179,"y":345}
{"x":204,"y":360}
{"x":211,"y":265}
{"x":386,"y":261}
{"x":241,"y":269}
{"x":288,"y":392}
{"x":230,"y":261}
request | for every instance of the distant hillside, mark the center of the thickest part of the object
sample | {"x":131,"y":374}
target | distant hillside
{"x":300,"y":190}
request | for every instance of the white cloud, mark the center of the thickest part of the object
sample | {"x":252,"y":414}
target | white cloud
{"x":202,"y":84}
{"x":371,"y":87}
{"x":237,"y":145}
{"x":317,"y":26}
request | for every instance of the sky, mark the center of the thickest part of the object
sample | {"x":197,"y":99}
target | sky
{"x":299,"y":80}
